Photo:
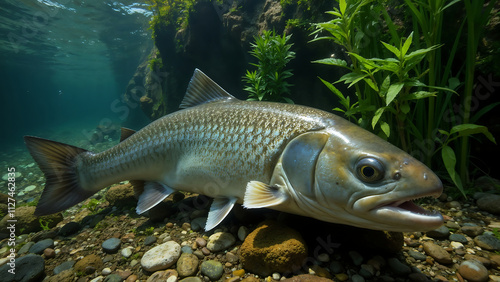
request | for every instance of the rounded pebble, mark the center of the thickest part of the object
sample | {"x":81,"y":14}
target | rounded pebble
{"x":458,"y":238}
{"x":487,"y":242}
{"x":49,"y":253}
{"x":473,"y":270}
{"x":186,"y":249}
{"x":276,"y":276}
{"x":106,"y":271}
{"x":150,"y":240}
{"x":242,"y":233}
{"x":201,"y":242}
{"x":357,"y":278}
{"x":39,"y":246}
{"x":187,"y":265}
{"x":212,"y":269}
{"x":111,"y":246}
{"x":64,"y":266}
{"x":417,"y":255}
{"x":127,"y":252}
{"x":220,"y":241}
{"x":441,"y":232}
{"x":161,"y":257}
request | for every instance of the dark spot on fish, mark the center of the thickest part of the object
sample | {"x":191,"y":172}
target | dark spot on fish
{"x":396,"y":176}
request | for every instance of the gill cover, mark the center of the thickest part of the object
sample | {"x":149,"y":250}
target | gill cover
{"x":299,"y":160}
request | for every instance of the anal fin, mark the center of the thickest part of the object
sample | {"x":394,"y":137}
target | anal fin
{"x":154,"y":193}
{"x":219,"y":209}
{"x":262,"y":195}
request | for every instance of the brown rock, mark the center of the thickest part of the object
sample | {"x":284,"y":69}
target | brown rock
{"x":495,"y":260}
{"x":273,"y":247}
{"x":486,"y":262}
{"x":307,"y":278}
{"x":49,"y":253}
{"x":121,"y":195}
{"x":163,"y":275}
{"x":473,"y":271}
{"x":472,"y":231}
{"x":437,"y":252}
{"x":132,"y":278}
{"x":30,"y":223}
{"x":66,"y":275}
{"x":88,"y":262}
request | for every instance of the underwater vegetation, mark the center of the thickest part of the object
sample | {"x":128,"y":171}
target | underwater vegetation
{"x":269,"y":81}
{"x":405,"y":89}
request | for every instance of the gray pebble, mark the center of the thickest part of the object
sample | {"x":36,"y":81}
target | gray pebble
{"x":458,"y":238}
{"x":441,"y":232}
{"x":488,"y":242}
{"x":113,"y":278}
{"x":111,"y":246}
{"x":25,"y":248}
{"x":186,"y":249}
{"x":417,"y":255}
{"x":356,"y":257}
{"x":213,"y":269}
{"x":64,"y":266}
{"x":39,"y":246}
{"x":150,"y":240}
{"x":367,"y":271}
{"x":398,"y":267}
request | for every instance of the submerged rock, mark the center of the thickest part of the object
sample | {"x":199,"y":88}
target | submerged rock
{"x":473,"y":271}
{"x":273,"y":247}
{"x":490,"y":204}
{"x":89,"y":264}
{"x":121,"y":196}
{"x":29,"y":268}
{"x":220,"y":241}
{"x":30,"y":223}
{"x":161,"y":257}
{"x":212,"y":269}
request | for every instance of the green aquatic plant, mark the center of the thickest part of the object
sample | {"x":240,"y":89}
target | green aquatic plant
{"x":44,"y":223}
{"x":399,"y":82}
{"x":169,"y":13}
{"x":269,"y":81}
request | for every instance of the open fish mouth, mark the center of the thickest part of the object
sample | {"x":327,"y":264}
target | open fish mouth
{"x":408,"y":213}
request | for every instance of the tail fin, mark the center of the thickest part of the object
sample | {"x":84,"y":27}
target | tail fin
{"x":58,"y":162}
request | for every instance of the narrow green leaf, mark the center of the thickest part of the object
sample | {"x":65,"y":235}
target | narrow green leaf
{"x":469,"y":129}
{"x":342,"y":6}
{"x":371,"y":83}
{"x":376,"y":117}
{"x":406,"y":45}
{"x":392,"y":49}
{"x":335,"y":91}
{"x":385,"y":128}
{"x":418,"y":95}
{"x":393,"y":91}
{"x":333,"y":62}
{"x":483,"y":111}
{"x":450,"y":160}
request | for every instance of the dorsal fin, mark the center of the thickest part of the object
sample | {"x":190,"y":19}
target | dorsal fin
{"x":202,"y":89}
{"x":126,"y":133}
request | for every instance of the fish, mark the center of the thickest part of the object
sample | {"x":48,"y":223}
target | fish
{"x":290,"y":158}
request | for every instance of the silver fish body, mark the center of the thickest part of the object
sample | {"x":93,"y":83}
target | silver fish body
{"x":286,"y":157}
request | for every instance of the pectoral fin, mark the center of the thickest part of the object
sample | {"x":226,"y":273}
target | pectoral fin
{"x":153,"y":194}
{"x":261,"y":195}
{"x":219,"y":209}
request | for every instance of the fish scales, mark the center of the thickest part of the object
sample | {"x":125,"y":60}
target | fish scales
{"x":234,"y":140}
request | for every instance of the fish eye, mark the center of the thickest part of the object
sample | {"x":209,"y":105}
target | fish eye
{"x":370,"y":170}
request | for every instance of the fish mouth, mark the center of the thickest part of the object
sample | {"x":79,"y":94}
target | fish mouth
{"x":409,"y":216}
